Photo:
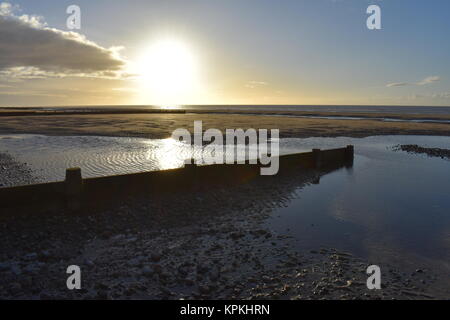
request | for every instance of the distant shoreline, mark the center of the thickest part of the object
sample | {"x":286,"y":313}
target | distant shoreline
{"x":243,"y":110}
{"x":160,"y":123}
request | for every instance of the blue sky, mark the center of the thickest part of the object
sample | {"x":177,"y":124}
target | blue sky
{"x":266,"y":51}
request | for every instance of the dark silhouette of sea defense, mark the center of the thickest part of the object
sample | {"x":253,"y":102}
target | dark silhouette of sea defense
{"x":76,"y":193}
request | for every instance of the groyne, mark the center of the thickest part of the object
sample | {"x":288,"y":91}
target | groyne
{"x":76,"y":192}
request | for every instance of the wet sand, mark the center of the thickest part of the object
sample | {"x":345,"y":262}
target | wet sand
{"x":162,"y":125}
{"x":431,"y":152}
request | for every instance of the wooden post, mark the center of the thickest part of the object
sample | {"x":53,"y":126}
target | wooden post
{"x":74,"y":188}
{"x":317,"y":158}
{"x":349,"y":154}
{"x":190,"y":163}
{"x":350,"y":151}
{"x":316,"y":180}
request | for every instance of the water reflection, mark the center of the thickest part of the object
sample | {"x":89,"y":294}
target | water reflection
{"x":167,"y":153}
{"x":391,"y":207}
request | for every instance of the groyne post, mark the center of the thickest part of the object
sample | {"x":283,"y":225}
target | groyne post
{"x":190,"y":163}
{"x":75,"y":192}
{"x":317,"y":158}
{"x":349,"y":154}
{"x":74,"y":188}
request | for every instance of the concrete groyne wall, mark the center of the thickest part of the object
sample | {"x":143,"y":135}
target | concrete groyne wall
{"x":76,"y":192}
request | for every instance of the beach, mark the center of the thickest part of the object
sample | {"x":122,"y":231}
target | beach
{"x":209,"y":244}
{"x":201,"y":246}
{"x":160,"y":126}
{"x":236,"y":151}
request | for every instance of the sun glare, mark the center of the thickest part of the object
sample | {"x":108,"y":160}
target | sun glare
{"x":168,"y":72}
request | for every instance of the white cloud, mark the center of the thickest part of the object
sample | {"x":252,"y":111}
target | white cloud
{"x":31,"y":94}
{"x":30,"y":49}
{"x":440,"y":95}
{"x":255,"y":84}
{"x":427,"y":80}
{"x":17,"y":74}
{"x":397,"y":84}
{"x":6,"y":8}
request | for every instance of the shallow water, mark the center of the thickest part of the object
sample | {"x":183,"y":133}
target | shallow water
{"x":49,"y":156}
{"x":390,"y":207}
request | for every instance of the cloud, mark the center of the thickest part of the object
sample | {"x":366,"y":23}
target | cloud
{"x":255,"y":84}
{"x":30,"y":49}
{"x":31,"y":94}
{"x":440,"y":95}
{"x":397,"y":84}
{"x":427,"y":80}
{"x":6,"y":8}
{"x":125,"y":89}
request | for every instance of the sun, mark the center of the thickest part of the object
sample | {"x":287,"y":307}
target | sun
{"x":168,"y":72}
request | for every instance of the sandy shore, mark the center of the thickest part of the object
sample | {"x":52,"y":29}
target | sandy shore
{"x":205,"y":245}
{"x":162,"y":125}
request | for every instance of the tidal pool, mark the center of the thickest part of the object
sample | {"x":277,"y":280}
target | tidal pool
{"x":392,"y":208}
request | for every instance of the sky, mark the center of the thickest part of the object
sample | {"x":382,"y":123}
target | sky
{"x":172,"y":52}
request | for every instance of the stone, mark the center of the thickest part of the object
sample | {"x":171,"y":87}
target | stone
{"x":16,"y":270}
{"x":102,"y":294}
{"x":134,"y":262}
{"x":15,"y":288}
{"x":204,"y":289}
{"x":155,"y":257}
{"x":44,"y":255}
{"x":4,"y":266}
{"x":89,"y":262}
{"x":157,"y":268}
{"x":147,"y":271}
{"x":31,"y":256}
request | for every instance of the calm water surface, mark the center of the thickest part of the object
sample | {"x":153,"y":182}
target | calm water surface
{"x":391,"y":207}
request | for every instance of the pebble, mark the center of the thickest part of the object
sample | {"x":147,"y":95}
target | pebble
{"x":204,"y":289}
{"x":16,"y":270}
{"x":147,"y":271}
{"x":15,"y":288}
{"x":155,"y":257}
{"x":157,"y":268}
{"x":31,"y":256}
{"x":4,"y":266}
